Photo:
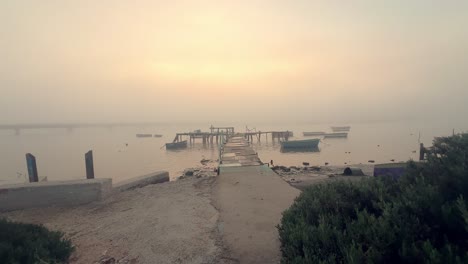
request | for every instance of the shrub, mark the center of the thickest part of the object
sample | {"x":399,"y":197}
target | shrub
{"x":421,"y":218}
{"x":28,"y":243}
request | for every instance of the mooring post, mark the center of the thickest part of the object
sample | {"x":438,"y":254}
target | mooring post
{"x":32,"y":167}
{"x":422,"y":151}
{"x":89,"y":165}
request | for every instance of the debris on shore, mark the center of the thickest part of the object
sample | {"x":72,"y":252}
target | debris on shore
{"x":302,"y":176}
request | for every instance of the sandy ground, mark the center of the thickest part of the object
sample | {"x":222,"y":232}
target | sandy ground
{"x":172,"y":222}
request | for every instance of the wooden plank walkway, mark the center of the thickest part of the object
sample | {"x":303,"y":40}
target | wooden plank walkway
{"x":237,"y":153}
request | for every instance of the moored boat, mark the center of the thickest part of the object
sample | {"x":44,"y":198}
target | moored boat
{"x":336,"y":135}
{"x":144,"y":135}
{"x":340,"y":128}
{"x":176,"y":145}
{"x":310,"y":134}
{"x":157,"y":135}
{"x":300,"y":144}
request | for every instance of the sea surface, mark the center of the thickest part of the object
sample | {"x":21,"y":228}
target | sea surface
{"x":120,"y":155}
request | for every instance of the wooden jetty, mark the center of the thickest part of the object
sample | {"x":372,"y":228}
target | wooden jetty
{"x":275,"y":135}
{"x":207,"y":137}
{"x":217,"y":132}
{"x":236,"y":152}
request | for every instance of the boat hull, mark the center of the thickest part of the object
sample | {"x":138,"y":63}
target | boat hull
{"x":144,"y":135}
{"x":300,"y":144}
{"x":311,"y":134}
{"x":177,"y":145}
{"x":336,"y":135}
{"x":340,"y":128}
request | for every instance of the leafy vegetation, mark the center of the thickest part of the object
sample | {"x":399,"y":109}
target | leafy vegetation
{"x":420,"y":218}
{"x":28,"y":243}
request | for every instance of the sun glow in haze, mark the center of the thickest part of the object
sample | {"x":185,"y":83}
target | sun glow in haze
{"x":290,"y":57}
{"x":219,"y":72}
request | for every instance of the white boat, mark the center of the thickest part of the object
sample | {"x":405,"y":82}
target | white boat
{"x":311,"y":134}
{"x":340,"y":128}
{"x":336,"y":135}
{"x":144,"y":135}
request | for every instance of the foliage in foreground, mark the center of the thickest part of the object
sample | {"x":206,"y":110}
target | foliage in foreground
{"x":28,"y":243}
{"x":421,"y":218}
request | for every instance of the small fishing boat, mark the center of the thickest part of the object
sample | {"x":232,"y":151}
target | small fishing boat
{"x":144,"y":135}
{"x":157,"y":135}
{"x":336,"y":135}
{"x":340,"y":128}
{"x":311,"y":134}
{"x":300,"y":144}
{"x":176,"y":145}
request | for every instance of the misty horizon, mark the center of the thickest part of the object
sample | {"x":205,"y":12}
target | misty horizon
{"x":213,"y":61}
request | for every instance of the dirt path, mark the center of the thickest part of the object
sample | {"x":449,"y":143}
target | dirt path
{"x":251,"y":201}
{"x":172,"y":222}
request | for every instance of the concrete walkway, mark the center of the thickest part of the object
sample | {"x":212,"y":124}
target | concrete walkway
{"x":250,"y":200}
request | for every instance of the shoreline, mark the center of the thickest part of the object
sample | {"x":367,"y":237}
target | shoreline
{"x":175,"y":221}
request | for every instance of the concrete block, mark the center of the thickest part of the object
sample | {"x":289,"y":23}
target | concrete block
{"x":141,"y":181}
{"x":56,"y":193}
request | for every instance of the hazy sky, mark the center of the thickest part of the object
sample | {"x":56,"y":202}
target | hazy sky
{"x":300,"y":60}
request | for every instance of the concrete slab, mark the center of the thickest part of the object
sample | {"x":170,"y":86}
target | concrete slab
{"x":141,"y":181}
{"x":57,"y":193}
{"x":251,"y":201}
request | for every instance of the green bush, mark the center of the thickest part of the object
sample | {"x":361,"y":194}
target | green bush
{"x":420,"y":218}
{"x":28,"y":243}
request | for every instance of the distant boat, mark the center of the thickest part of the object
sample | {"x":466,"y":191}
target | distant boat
{"x":336,"y":135}
{"x":176,"y":145}
{"x":157,"y":135}
{"x":144,"y":135}
{"x":340,"y":128}
{"x":310,"y":134}
{"x":300,"y":144}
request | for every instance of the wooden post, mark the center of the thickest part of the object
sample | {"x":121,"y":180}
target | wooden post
{"x":32,"y":168}
{"x":89,"y":165}
{"x":422,"y":151}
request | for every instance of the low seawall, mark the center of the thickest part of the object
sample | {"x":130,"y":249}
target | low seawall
{"x":138,"y":182}
{"x":59,"y":193}
{"x":69,"y":193}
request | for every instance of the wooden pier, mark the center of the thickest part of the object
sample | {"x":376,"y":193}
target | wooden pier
{"x":217,"y":132}
{"x":275,"y":135}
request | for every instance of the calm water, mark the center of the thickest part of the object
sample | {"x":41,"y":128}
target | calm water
{"x":60,"y":153}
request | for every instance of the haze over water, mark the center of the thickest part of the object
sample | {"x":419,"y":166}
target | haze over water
{"x":60,"y":153}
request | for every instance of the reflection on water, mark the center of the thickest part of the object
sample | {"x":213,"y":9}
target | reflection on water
{"x":120,"y":155}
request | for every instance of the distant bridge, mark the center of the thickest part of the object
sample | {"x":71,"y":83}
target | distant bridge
{"x":70,"y":126}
